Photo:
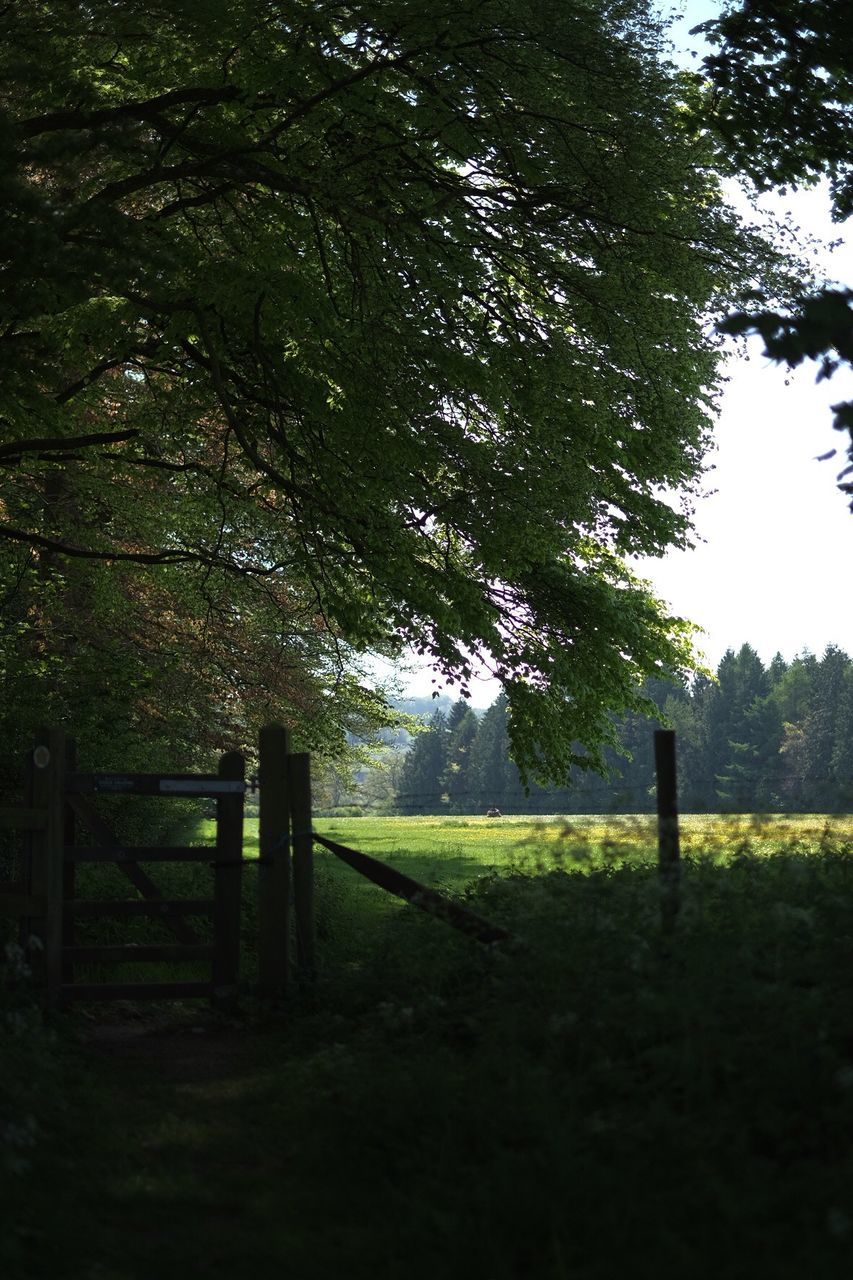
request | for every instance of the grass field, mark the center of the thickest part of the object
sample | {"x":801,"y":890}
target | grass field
{"x":455,"y":853}
{"x":454,"y":850}
{"x":591,"y":1100}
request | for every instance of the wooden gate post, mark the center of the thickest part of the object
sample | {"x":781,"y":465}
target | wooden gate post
{"x":669,"y":855}
{"x":69,"y":870}
{"x":274,"y":862}
{"x":45,"y":785}
{"x":299,"y":774}
{"x":228,"y":876}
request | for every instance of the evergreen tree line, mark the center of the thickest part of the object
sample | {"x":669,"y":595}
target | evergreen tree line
{"x":758,"y":739}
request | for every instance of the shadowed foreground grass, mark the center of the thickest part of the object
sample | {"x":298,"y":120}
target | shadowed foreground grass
{"x":590,"y":1101}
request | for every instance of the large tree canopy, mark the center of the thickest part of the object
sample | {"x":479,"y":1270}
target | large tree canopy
{"x":397,"y":310}
{"x":782,"y":104}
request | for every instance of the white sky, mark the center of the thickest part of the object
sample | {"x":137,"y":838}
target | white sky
{"x":775,"y":535}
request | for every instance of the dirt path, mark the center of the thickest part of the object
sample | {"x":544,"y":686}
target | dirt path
{"x":181,"y":1047}
{"x":182,"y":1175}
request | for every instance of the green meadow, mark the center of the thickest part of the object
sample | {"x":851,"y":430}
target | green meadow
{"x":591,"y":1099}
{"x":453,"y":847}
{"x":458,"y":853}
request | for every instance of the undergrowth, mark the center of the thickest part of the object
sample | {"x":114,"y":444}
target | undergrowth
{"x":591,"y":1099}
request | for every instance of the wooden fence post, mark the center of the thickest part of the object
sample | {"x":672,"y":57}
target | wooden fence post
{"x":69,"y":870}
{"x":46,"y":781}
{"x":299,"y":777}
{"x":669,"y":864}
{"x":228,"y":879}
{"x":274,"y":862}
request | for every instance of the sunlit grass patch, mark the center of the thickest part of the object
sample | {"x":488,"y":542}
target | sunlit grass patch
{"x":579,"y":841}
{"x":553,"y":840}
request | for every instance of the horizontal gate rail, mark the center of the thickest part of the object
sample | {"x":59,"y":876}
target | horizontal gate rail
{"x":133,"y":990}
{"x":82,"y":907}
{"x":153,"y":784}
{"x":138,"y":853}
{"x":132,"y":953}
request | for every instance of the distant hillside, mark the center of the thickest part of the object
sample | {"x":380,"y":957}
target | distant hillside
{"x":424,"y":706}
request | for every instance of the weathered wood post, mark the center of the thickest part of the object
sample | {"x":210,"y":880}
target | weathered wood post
{"x":45,"y":786}
{"x":274,"y":862}
{"x":669,"y":856}
{"x":228,"y":878}
{"x":299,"y":775}
{"x":69,"y":870}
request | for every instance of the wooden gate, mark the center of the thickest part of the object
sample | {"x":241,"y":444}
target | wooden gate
{"x":286,"y":863}
{"x":59,"y":801}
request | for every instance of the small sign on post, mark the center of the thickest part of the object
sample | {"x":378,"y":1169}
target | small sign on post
{"x":669,"y":854}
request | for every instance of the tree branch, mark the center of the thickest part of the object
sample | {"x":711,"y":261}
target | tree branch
{"x":92,"y":376}
{"x":87,"y":553}
{"x":13,"y":534}
{"x":55,"y":120}
{"x":55,"y":444}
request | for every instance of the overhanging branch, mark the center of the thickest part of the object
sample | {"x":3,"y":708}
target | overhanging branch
{"x":144,"y":110}
{"x":57,"y":444}
{"x":13,"y":534}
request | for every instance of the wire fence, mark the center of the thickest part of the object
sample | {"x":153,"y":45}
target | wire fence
{"x":783,"y":792}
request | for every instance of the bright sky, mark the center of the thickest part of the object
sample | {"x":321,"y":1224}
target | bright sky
{"x":775,"y":533}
